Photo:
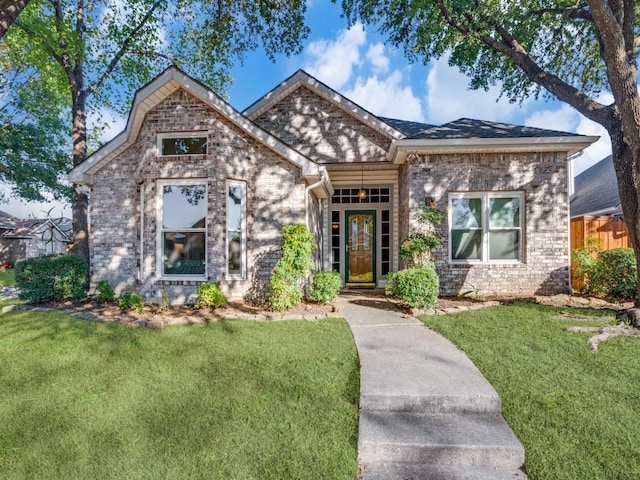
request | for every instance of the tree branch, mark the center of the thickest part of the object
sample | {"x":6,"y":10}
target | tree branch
{"x":511,"y":48}
{"x":123,"y":49}
{"x":153,"y":53}
{"x":9,"y":12}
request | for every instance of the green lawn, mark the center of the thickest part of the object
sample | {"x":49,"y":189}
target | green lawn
{"x":229,"y":400}
{"x":7,"y":277}
{"x":575,"y":412}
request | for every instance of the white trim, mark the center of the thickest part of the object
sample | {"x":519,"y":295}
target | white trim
{"x":159,"y":229}
{"x":484,"y":197}
{"x":142,"y":204}
{"x":570,"y":144}
{"x":243,"y":230}
{"x":191,"y":134}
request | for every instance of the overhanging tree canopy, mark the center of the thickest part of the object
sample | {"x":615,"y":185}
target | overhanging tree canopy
{"x":571,"y":50}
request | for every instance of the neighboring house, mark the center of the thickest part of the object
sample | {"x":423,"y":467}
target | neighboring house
{"x":32,"y":238}
{"x":194,"y":190}
{"x":596,"y":212}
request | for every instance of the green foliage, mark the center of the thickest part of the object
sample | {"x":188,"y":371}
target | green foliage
{"x":325,"y":286}
{"x":210,"y":295}
{"x":419,"y":246}
{"x":288,"y":275}
{"x":51,"y":278}
{"x":417,"y":286}
{"x":104,"y":292}
{"x":607,"y":273}
{"x":131,"y":300}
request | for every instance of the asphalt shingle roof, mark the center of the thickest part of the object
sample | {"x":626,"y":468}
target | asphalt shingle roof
{"x":471,"y":128}
{"x":407,"y":127}
{"x":596,"y":189}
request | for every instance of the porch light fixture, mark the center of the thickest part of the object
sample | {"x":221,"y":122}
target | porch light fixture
{"x":362,"y":194}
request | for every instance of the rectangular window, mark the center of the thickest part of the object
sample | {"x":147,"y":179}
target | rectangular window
{"x":385,"y":236}
{"x":335,"y":241}
{"x":485,"y":227}
{"x":236,"y":241}
{"x":182,"y":212}
{"x":182,"y":143}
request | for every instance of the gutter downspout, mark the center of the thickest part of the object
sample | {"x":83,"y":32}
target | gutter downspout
{"x":323,"y":177}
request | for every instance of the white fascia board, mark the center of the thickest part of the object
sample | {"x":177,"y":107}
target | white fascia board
{"x":82,"y":173}
{"x":303,"y":78}
{"x":570,"y":144}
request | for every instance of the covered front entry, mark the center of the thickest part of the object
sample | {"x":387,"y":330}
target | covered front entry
{"x":360,"y":249}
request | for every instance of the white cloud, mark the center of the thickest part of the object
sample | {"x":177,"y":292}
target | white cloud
{"x":449,"y":97}
{"x":387,"y":97}
{"x":376,"y":56}
{"x":566,"y":119}
{"x":333,"y":61}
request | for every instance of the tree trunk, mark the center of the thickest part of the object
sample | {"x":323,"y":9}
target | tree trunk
{"x":80,"y":201}
{"x":9,"y":11}
{"x":627,"y":166}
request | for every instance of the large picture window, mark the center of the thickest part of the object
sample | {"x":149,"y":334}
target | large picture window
{"x":236,"y":241}
{"x":485,"y":227}
{"x":182,"y":212}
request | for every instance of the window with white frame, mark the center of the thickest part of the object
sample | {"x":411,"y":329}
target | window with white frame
{"x":182,"y":143}
{"x":485,"y":227}
{"x":236,"y":227}
{"x":182,"y":213}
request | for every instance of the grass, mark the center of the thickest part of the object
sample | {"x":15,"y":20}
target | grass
{"x":7,"y":277}
{"x":575,"y":412}
{"x":229,"y":400}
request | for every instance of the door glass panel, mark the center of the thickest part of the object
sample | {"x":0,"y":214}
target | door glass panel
{"x":361,"y":248}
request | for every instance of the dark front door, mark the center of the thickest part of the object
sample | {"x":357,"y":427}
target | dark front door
{"x":360,"y":249}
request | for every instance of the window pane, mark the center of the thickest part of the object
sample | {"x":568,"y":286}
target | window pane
{"x":504,"y":212}
{"x":184,"y":253}
{"x":184,"y":146}
{"x":504,"y":245}
{"x":234,"y":207}
{"x":234,"y":256}
{"x":183,"y":206}
{"x":466,"y":244}
{"x":466,"y":213}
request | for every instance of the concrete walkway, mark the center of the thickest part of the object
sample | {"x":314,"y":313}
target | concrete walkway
{"x":426,"y":412}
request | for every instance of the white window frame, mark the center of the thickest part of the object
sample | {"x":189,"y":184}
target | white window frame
{"x":193,"y":134}
{"x":485,"y":197}
{"x":160,"y":230}
{"x":243,"y":230}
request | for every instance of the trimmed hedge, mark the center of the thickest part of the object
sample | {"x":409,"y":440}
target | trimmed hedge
{"x":607,"y":273}
{"x":325,"y":286}
{"x":418,"y":286}
{"x":51,"y":278}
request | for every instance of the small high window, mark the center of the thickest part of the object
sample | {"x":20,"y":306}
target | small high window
{"x":190,"y":143}
{"x":485,"y":227}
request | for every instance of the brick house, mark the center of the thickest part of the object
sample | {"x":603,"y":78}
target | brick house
{"x":194,"y":190}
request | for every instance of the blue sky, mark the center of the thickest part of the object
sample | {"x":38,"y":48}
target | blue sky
{"x":357,"y":63}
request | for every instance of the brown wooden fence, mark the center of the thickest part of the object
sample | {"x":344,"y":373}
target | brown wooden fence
{"x":611,"y":232}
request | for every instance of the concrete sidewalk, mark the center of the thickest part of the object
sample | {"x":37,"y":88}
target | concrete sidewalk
{"x":426,"y":412}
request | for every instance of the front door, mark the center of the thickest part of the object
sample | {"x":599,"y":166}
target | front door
{"x":360,"y":249}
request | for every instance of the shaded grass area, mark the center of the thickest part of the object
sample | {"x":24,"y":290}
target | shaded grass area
{"x":232,"y":400}
{"x":7,"y":277}
{"x":574,"y":411}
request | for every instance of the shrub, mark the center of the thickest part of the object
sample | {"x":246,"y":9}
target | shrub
{"x":51,"y":278}
{"x":104,"y":292}
{"x":210,"y":295}
{"x":614,"y":274}
{"x":417,"y":249}
{"x":325,"y":286}
{"x":418,"y":286}
{"x":286,"y":282}
{"x":131,"y":300}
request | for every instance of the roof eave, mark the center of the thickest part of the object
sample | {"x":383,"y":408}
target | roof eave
{"x":400,"y":149}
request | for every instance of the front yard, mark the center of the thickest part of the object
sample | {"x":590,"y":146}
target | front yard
{"x":236,"y":399}
{"x":575,"y":412}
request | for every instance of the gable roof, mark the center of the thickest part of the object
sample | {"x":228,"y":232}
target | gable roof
{"x":467,"y":135}
{"x":596,"y":190}
{"x":150,"y":95}
{"x":407,"y":127}
{"x":8,"y":221}
{"x":302,"y":78}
